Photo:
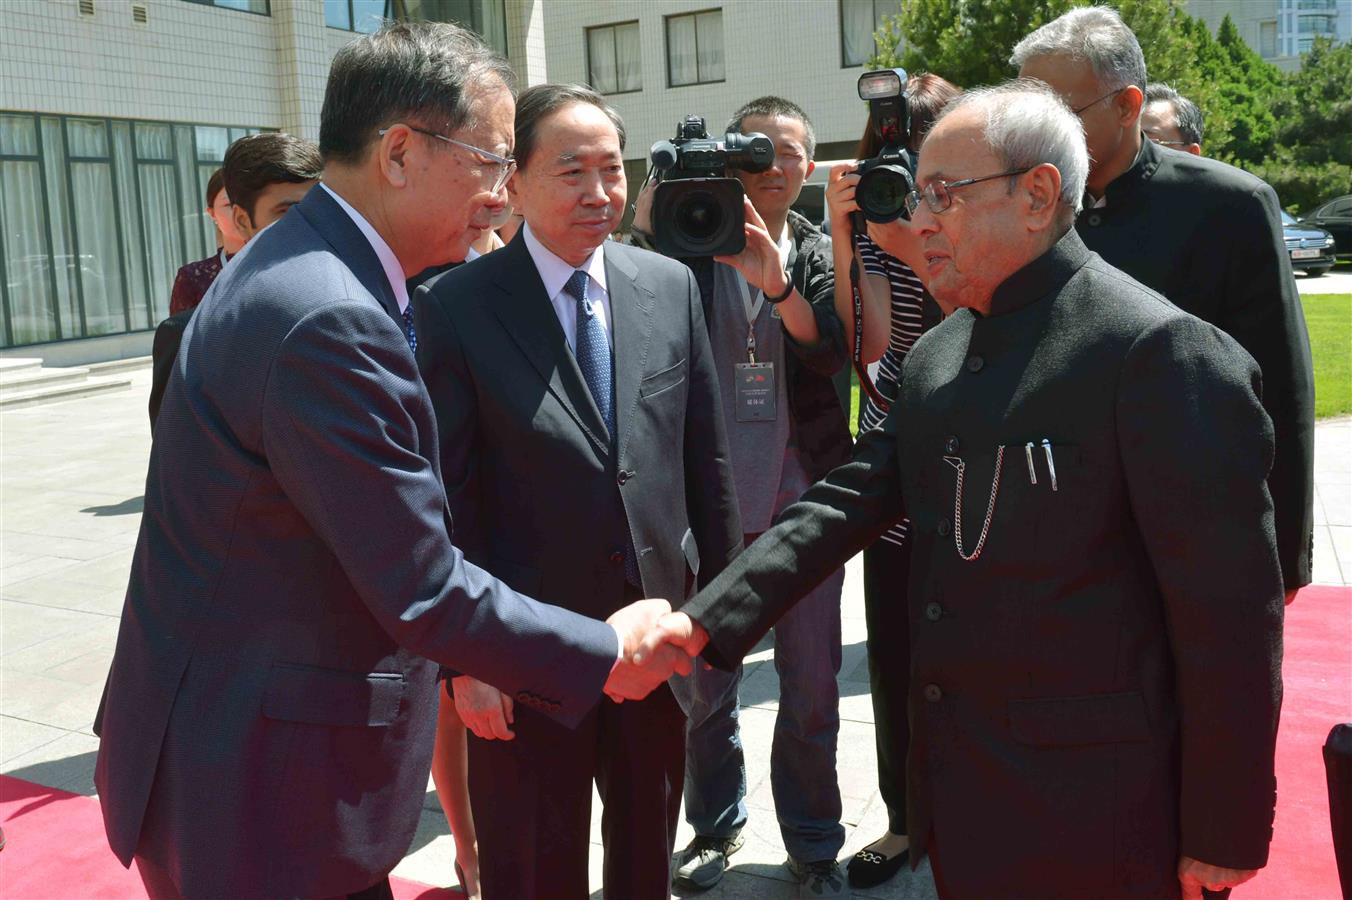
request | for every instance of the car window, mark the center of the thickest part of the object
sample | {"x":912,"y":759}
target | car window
{"x":1340,"y":207}
{"x":1287,"y":218}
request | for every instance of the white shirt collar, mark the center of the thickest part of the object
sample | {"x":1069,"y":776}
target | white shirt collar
{"x":554,"y":272}
{"x":394,"y":272}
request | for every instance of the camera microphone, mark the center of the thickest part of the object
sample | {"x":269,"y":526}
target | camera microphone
{"x":663,"y":155}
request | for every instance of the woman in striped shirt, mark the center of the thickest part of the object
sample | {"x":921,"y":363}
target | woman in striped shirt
{"x":892,"y":301}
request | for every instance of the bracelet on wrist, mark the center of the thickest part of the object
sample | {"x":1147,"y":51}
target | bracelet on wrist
{"x":788,"y":289}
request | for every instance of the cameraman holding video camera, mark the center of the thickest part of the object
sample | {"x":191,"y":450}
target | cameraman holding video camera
{"x":776,"y":342}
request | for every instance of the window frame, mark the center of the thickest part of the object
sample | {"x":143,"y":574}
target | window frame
{"x":267,"y":4}
{"x":840,"y":20}
{"x":586,"y":46}
{"x":666,"y":39}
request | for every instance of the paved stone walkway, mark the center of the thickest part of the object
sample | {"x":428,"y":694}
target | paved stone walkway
{"x":71,"y":481}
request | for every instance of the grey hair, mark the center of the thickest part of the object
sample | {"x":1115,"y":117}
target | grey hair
{"x":1027,"y":125}
{"x":426,"y":72}
{"x":1189,"y":117}
{"x":1095,"y":34}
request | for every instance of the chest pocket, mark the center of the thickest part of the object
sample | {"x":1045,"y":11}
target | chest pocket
{"x":662,"y":381}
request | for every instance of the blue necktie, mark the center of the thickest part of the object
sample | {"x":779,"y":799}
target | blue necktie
{"x":593,"y":358}
{"x":408,"y":328}
{"x":593,"y":352}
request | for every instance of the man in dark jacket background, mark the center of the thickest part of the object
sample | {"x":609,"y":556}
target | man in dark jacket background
{"x":1204,"y":234}
{"x":772,"y":323}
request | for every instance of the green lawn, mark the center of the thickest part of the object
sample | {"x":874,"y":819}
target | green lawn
{"x":1329,"y":320}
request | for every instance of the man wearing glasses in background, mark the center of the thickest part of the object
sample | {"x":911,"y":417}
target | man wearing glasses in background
{"x":1204,"y":234}
{"x":1095,"y":602}
{"x":1171,"y":120}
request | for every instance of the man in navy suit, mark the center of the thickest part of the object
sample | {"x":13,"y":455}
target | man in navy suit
{"x":268,"y":720}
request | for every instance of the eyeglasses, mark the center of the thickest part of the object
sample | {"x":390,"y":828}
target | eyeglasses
{"x":1099,"y":100}
{"x":1168,"y":143}
{"x":938,"y":195}
{"x":505,"y":164}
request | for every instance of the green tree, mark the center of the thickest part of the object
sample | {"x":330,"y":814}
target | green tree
{"x":1315,"y":116}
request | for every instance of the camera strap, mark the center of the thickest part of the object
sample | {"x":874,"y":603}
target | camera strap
{"x":861,"y":369}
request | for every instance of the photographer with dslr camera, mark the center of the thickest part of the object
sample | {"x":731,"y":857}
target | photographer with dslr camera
{"x":882,"y":258}
{"x":776,"y":342}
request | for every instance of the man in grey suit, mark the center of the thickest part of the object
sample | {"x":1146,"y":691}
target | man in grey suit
{"x":585,"y":459}
{"x":1095,"y":600}
{"x":268,"y":719}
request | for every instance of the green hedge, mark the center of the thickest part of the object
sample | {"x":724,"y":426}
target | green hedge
{"x":1301,"y":187}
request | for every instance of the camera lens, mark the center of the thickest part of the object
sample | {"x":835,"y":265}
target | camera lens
{"x":699,"y":217}
{"x":882,"y":191}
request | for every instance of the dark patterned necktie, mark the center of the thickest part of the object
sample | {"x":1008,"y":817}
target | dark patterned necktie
{"x":593,"y":358}
{"x":593,"y":351}
{"x":408,"y":328}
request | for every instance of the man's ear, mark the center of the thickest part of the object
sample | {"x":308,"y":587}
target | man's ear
{"x":811,"y":167}
{"x":392,"y":154}
{"x":1042,"y":185}
{"x":243,"y":224}
{"x":513,"y":192}
{"x":1129,"y":104}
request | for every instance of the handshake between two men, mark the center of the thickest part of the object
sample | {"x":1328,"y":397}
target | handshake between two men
{"x":655,"y":643}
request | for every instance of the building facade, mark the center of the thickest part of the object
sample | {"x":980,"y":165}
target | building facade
{"x":1280,"y":30}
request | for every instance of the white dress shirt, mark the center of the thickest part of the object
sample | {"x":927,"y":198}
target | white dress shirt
{"x":555,"y":273}
{"x":394,"y":272}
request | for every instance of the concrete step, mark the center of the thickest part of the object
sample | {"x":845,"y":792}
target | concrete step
{"x":54,"y":393}
{"x":115,"y":366}
{"x":18,"y":364}
{"x":27,"y":380}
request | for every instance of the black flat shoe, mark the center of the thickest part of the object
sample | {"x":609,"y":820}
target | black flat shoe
{"x":869,"y":869}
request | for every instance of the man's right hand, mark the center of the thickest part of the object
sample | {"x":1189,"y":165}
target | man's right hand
{"x":643,"y":208}
{"x":485,"y":710}
{"x":840,"y":201}
{"x":636,"y":674}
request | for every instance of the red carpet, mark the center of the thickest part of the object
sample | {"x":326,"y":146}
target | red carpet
{"x":56,"y":847}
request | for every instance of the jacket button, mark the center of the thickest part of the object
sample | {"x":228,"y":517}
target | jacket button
{"x":944,"y":528}
{"x":1095,"y":219}
{"x":624,"y":476}
{"x":934,"y":612}
{"x":933,"y":694}
{"x":974,"y":363}
{"x":617,"y":557}
{"x":951,"y":446}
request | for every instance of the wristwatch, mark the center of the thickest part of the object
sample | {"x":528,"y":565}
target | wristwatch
{"x":788,"y":289}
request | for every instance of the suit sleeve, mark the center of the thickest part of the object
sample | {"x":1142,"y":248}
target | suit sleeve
{"x":168,"y":337}
{"x":1196,"y":445}
{"x":818,"y":287}
{"x":1263,"y":312}
{"x":340,"y":432}
{"x":711,"y":499}
{"x":835,"y":519}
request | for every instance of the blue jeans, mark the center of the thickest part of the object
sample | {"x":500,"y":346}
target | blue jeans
{"x":803,"y":755}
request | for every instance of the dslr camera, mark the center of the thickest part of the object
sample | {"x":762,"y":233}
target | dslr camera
{"x":697,"y":208}
{"x":886,"y":179}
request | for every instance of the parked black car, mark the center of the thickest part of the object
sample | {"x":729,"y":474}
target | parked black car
{"x":1335,"y":217}
{"x":1311,"y":248}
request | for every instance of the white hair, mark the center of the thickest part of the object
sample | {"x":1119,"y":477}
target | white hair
{"x":1095,"y":34}
{"x":1027,"y":125}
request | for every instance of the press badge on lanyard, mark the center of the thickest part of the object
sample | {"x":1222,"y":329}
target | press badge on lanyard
{"x":754,"y":382}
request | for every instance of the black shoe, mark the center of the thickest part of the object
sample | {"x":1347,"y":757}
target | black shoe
{"x":701,"y":865}
{"x":869,"y":868}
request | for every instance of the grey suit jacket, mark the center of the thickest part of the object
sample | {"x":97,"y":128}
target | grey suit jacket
{"x":269,"y":715}
{"x":1097,"y":692}
{"x":538,"y":495}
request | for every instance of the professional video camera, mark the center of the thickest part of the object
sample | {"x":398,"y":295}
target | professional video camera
{"x":885,"y":180}
{"x":697,"y":208}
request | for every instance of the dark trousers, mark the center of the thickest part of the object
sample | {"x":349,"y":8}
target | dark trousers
{"x":532,"y":801}
{"x":159,"y":884}
{"x":887,"y":570}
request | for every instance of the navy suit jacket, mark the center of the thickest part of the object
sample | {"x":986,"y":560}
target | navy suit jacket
{"x":269,"y":716}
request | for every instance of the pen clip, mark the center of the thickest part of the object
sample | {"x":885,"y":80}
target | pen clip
{"x":1051,"y":463}
{"x":1028,"y":454}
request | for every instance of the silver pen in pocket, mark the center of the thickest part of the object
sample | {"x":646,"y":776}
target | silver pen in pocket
{"x":1051,"y":463}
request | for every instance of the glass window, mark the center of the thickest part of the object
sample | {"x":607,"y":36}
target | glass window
{"x":252,"y":6}
{"x":63,"y":250}
{"x":1267,"y":39}
{"x":191,"y":206}
{"x":23,"y":243}
{"x":129,"y":213}
{"x":338,"y":14}
{"x":859,"y":20}
{"x":614,"y":58}
{"x":211,"y":143}
{"x":96,"y":237}
{"x":18,"y":136}
{"x":695,"y":48}
{"x":153,"y":141}
{"x":367,"y":15}
{"x":163,"y":247}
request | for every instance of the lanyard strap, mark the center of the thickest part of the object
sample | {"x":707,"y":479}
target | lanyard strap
{"x":753,"y":309}
{"x":865,"y":382}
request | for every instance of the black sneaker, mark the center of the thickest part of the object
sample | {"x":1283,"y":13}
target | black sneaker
{"x":701,"y":865}
{"x":822,"y":878}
